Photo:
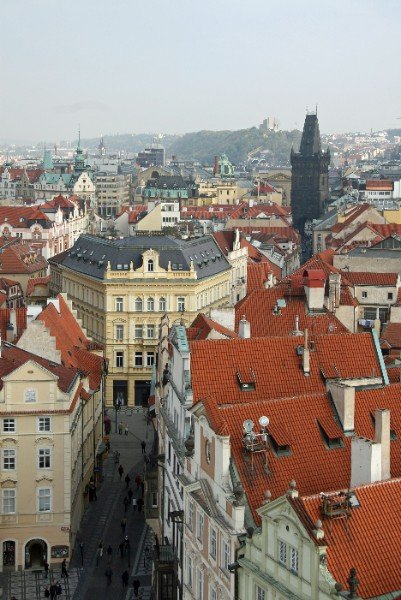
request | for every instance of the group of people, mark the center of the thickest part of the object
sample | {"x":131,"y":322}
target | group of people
{"x":55,"y":589}
{"x":122,"y":428}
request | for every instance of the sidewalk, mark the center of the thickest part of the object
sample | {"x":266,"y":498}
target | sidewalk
{"x":103,"y":517}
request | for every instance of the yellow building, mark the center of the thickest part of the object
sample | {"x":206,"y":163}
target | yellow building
{"x":121,"y":288}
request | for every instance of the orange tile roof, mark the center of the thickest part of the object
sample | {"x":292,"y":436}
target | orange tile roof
{"x":276,"y":367}
{"x":202,"y":326}
{"x":32,"y":283}
{"x":368,"y":278}
{"x":257,"y":275}
{"x":280,"y":233}
{"x":369,"y":541}
{"x":19,"y":257}
{"x":258,"y":309}
{"x":394,"y":374}
{"x":387,"y":229}
{"x":392,"y":335}
{"x":21,"y":216}
{"x":379,"y":184}
{"x":71,"y":341}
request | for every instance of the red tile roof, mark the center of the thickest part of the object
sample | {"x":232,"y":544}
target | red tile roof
{"x":202,"y":326}
{"x":394,"y":374}
{"x":71,"y":341}
{"x":369,"y":541}
{"x":21,"y":216}
{"x":5,"y":319}
{"x":387,"y":229}
{"x":257,"y":275}
{"x":280,"y":233}
{"x":392,"y":335}
{"x":19,"y":257}
{"x":34,"y":282}
{"x":258,"y":309}
{"x":368,"y":278}
{"x":379,"y":184}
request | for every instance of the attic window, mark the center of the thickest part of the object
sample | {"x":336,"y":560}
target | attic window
{"x":329,"y":441}
{"x":247,"y":381}
{"x":279,"y":449}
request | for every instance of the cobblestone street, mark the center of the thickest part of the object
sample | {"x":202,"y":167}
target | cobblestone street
{"x":102,"y":522}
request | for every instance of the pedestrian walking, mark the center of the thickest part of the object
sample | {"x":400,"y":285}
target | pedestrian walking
{"x":125,"y":578}
{"x":47,"y":592}
{"x":45,"y":569}
{"x":127,"y":481}
{"x":134,"y":503}
{"x":64,"y":569}
{"x":140,"y":504}
{"x":126,"y":503}
{"x":130,"y":493}
{"x":59,"y":589}
{"x":121,"y":549}
{"x":123,"y":524}
{"x":53,"y":591}
{"x":143,"y":446}
{"x":138,"y":480}
{"x":120,"y":428}
{"x":120,"y":470}
{"x":126,"y":429}
{"x":109,"y":553}
{"x":136,"y":585}
{"x":109,"y":574}
{"x":142,"y":488}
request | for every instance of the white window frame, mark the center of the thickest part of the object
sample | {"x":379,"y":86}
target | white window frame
{"x":138,"y":355}
{"x":190,"y":515}
{"x":9,"y":421}
{"x":9,"y":496}
{"x":138,"y":332}
{"x":48,"y":496}
{"x":30,"y":395}
{"x":190,"y":574}
{"x":41,"y":424}
{"x":181,"y":304}
{"x":150,"y":328}
{"x":44,"y":456}
{"x":151,"y":265}
{"x":120,"y":358}
{"x":226,"y":555}
{"x":260,"y":593}
{"x":282,"y":553}
{"x":9,"y":455}
{"x":200,"y":526}
{"x":119,"y":332}
{"x":294,"y":560}
{"x":212,"y":592}
{"x":162,"y":304}
{"x":150,"y":359}
{"x":150,"y":304}
{"x":199,"y":583}
{"x":119,"y":304}
{"x":138,"y":304}
{"x":213,"y":543}
{"x":364,"y":294}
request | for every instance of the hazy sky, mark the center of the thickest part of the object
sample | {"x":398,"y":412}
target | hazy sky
{"x":180,"y":65}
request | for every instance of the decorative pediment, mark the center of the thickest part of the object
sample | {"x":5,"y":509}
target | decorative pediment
{"x":44,"y":440}
{"x":7,"y":441}
{"x":8,"y":483}
{"x":44,"y":478}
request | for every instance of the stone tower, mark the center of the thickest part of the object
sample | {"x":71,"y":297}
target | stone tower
{"x":310,"y":188}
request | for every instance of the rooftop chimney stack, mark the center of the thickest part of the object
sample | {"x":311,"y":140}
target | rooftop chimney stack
{"x":334,"y":291}
{"x":244,"y":328}
{"x":344,"y":400}
{"x":306,"y":356}
{"x":314,"y":284}
{"x":382,"y":436}
{"x":365,"y":461}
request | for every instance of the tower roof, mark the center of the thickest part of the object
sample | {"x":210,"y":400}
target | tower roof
{"x":310,"y":142}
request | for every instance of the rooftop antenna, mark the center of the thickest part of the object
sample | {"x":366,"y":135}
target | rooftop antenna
{"x":256,"y":442}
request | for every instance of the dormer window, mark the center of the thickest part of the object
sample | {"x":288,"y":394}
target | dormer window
{"x":151,"y":266}
{"x":247,"y":380}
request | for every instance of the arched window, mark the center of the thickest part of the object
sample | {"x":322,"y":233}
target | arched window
{"x":150,"y":265}
{"x":138,"y":304}
{"x":162,"y":304}
{"x":151,"y":304}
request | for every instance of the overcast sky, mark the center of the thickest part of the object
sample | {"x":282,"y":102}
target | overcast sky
{"x":135,"y":66}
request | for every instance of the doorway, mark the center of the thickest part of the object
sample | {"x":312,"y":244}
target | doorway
{"x":8,"y":554}
{"x":142,"y":393}
{"x":120,"y":392}
{"x":35,"y":554}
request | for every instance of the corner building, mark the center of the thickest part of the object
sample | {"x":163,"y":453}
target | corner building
{"x":121,"y":289}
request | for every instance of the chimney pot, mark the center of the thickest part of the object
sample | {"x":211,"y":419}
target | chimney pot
{"x":244,"y":328}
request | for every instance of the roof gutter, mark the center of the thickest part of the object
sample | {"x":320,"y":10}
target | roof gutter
{"x":379,"y":355}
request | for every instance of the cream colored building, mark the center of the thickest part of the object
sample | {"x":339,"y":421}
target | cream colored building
{"x":50,"y":424}
{"x":121,"y":288}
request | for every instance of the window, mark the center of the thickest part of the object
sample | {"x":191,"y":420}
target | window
{"x":8,"y":501}
{"x":199,"y":584}
{"x":8,"y":425}
{"x":150,"y":265}
{"x":162,"y":304}
{"x":260,"y":593}
{"x":212,"y":593}
{"x":226,"y":555}
{"x":44,"y":458}
{"x":213,"y":543}
{"x":370,"y":314}
{"x":119,"y":304}
{"x":8,"y":459}
{"x":138,"y":331}
{"x":181,"y":304}
{"x":44,"y":424}
{"x":151,"y":331}
{"x":119,"y":332}
{"x":364,"y":294}
{"x":151,"y":304}
{"x":390,"y":296}
{"x":138,"y":359}
{"x":383,"y":315}
{"x":189,"y":572}
{"x":30,"y":395}
{"x":119,"y":359}
{"x":282,"y":553}
{"x":154,"y":500}
{"x":150,"y":359}
{"x":138,"y":305}
{"x":44,"y":499}
{"x":190,"y":515}
{"x":199,"y":527}
{"x":294,"y":560}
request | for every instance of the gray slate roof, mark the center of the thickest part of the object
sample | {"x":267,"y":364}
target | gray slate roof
{"x":90,"y":254}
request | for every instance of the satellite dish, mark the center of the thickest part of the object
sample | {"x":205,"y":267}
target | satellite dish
{"x":264,"y":421}
{"x":248,"y":425}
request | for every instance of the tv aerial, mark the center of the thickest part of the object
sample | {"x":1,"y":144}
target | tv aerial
{"x":264,"y":421}
{"x":248,"y":425}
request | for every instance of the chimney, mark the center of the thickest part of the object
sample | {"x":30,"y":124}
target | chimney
{"x":244,"y":328}
{"x":334,"y":291}
{"x":306,"y":356}
{"x":382,"y":436}
{"x":314,"y":284}
{"x":344,"y":400}
{"x":366,"y":461}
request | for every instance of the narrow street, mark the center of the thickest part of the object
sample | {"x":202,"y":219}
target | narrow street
{"x":102,"y":522}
